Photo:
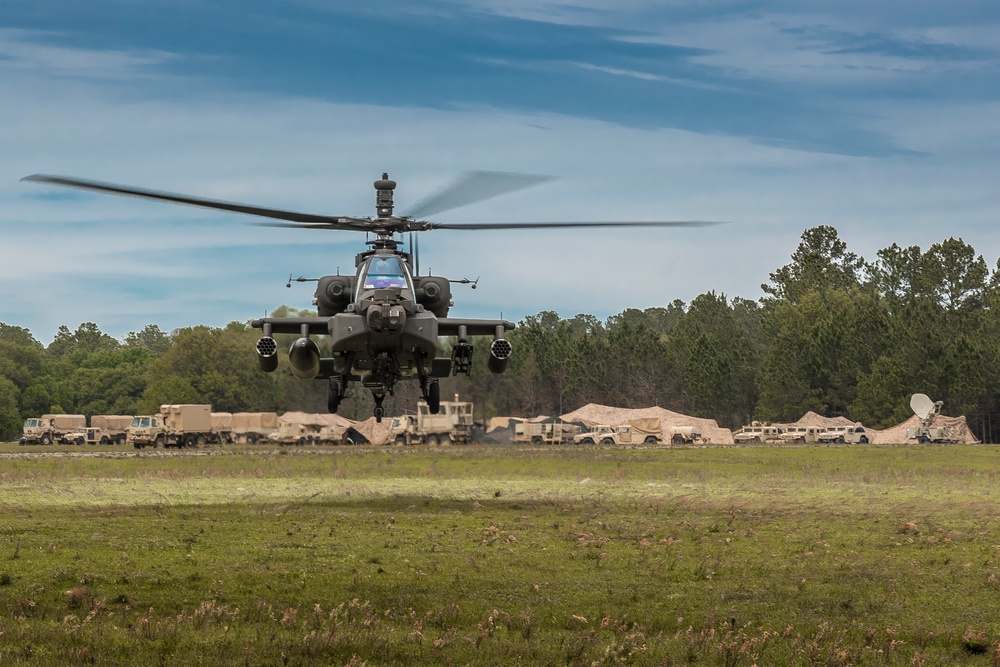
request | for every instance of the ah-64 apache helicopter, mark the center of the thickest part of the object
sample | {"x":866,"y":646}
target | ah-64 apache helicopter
{"x":384,"y":321}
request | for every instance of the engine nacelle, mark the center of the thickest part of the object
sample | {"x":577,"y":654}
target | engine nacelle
{"x":267,"y":354}
{"x":500,"y":351}
{"x":333,"y":293}
{"x":304,"y":358}
{"x":434,"y":294}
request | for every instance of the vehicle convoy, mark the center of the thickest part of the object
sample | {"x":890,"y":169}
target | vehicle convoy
{"x":186,"y":425}
{"x":452,"y":424}
{"x":841,"y":434}
{"x":927,"y":410}
{"x":545,"y":433}
{"x":51,"y":428}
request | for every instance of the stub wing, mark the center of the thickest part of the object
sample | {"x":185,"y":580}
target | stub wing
{"x":449,"y":326}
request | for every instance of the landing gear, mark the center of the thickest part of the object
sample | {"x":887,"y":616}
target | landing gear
{"x":335,"y":391}
{"x":433,"y":397}
{"x":379,"y":411}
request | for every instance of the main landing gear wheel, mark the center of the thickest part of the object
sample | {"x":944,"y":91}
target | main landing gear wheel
{"x":434,"y":397}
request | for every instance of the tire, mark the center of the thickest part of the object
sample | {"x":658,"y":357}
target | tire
{"x":537,"y":440}
{"x":400,"y":441}
{"x":650,"y":440}
{"x":840,"y":440}
{"x":607,"y":441}
{"x":79,"y":441}
{"x":431,"y":440}
{"x":105,"y":440}
{"x":301,"y":442}
{"x":678,"y":439}
{"x":46,"y":439}
{"x":587,"y":441}
{"x":864,"y":440}
{"x":434,"y":397}
{"x":160,"y":442}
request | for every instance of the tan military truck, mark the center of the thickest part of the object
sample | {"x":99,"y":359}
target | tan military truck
{"x":844,"y":434}
{"x":646,"y":431}
{"x":51,"y":428}
{"x":452,"y":424}
{"x":545,"y":433}
{"x":757,"y":432}
{"x":186,"y":425}
{"x":799,"y":435}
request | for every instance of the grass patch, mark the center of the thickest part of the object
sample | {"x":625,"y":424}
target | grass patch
{"x":501,"y":555}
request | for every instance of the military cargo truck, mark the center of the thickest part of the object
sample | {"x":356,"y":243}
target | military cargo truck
{"x":252,"y":427}
{"x":452,"y":424}
{"x":51,"y":428}
{"x":186,"y":425}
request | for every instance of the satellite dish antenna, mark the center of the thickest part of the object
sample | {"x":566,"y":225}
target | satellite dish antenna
{"x":922,"y":406}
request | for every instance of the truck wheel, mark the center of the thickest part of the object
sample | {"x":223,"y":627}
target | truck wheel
{"x":201,"y":441}
{"x":105,"y":440}
{"x":864,"y":440}
{"x":251,"y":438}
{"x":840,"y":440}
{"x":301,"y":441}
{"x":79,"y":441}
{"x":46,"y":439}
{"x":607,"y":441}
{"x":650,"y":440}
{"x":160,"y":442}
{"x":677,"y":439}
{"x":537,"y":440}
{"x":432,"y":440}
{"x":400,"y":441}
{"x":587,"y":441}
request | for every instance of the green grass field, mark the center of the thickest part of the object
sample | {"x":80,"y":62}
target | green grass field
{"x":502,"y":555}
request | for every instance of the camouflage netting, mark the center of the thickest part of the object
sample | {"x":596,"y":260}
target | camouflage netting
{"x":593,"y":414}
{"x":895,"y":435}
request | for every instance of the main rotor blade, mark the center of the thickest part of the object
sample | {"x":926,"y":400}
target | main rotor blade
{"x":328,"y":222}
{"x":475,"y":186}
{"x":557,"y":225}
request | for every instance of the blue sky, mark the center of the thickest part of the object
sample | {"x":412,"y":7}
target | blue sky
{"x":880,"y":119}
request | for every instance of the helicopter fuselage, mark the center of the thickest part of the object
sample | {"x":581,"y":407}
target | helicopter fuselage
{"x":384,"y":326}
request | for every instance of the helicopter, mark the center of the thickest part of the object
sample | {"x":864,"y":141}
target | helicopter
{"x":384,"y":321}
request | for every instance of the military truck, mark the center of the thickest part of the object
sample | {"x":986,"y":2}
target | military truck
{"x":296,"y":433}
{"x":50,"y":428}
{"x":452,"y":424}
{"x":185,"y":425}
{"x":645,"y":431}
{"x":841,"y":434}
{"x":545,"y":433}
{"x":799,"y":434}
{"x":684,"y":434}
{"x":103,"y":430}
{"x":757,"y":432}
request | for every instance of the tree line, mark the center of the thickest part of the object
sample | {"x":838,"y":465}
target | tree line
{"x":833,"y":333}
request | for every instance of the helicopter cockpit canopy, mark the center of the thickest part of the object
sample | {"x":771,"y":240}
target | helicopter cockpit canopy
{"x":383,"y":272}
